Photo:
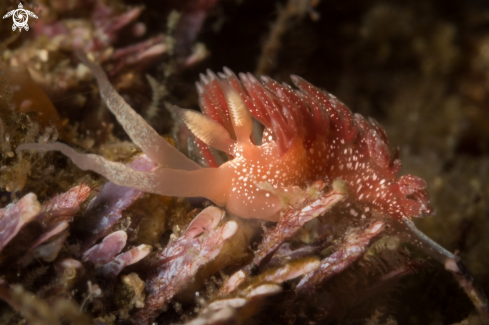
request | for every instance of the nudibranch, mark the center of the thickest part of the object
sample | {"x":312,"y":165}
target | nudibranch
{"x":308,"y":135}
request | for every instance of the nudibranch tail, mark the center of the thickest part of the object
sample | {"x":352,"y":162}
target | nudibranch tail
{"x":143,"y":135}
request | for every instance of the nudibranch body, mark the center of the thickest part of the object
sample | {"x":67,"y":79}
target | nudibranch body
{"x":309,"y":135}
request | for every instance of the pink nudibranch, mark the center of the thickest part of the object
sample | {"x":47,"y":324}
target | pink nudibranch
{"x":309,"y":135}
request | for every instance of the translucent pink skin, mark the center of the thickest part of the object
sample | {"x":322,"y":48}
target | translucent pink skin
{"x":309,"y":135}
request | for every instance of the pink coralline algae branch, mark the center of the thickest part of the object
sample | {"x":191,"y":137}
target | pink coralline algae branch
{"x":53,"y":216}
{"x":57,"y":213}
{"x":345,"y":254}
{"x":106,"y":251}
{"x":16,"y":215}
{"x":237,"y":300}
{"x":181,"y":259}
{"x":134,"y":255}
{"x":106,"y":258}
{"x":100,"y":37}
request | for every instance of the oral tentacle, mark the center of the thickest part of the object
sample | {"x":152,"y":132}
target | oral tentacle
{"x":140,"y":132}
{"x":205,"y":182}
